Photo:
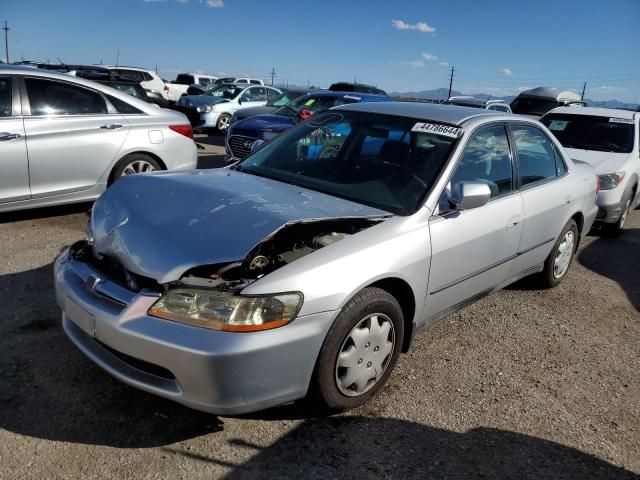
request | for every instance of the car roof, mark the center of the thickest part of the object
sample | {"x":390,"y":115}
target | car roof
{"x":450,"y":114}
{"x":125,"y":66}
{"x":332,"y":93}
{"x":596,"y":111}
{"x":551,"y":93}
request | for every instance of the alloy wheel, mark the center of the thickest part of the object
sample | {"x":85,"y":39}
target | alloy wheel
{"x":138,"y":166}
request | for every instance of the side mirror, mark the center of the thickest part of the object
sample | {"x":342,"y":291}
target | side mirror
{"x":468,"y":195}
{"x":257,"y":145}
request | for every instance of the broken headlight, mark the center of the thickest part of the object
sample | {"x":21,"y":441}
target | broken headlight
{"x":225,"y":311}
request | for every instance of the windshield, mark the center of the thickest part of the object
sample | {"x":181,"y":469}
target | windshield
{"x":532,"y":106}
{"x":375,"y":160}
{"x":225,"y":91}
{"x":590,"y":132}
{"x":183,"y":79}
{"x":284,"y":98}
{"x":313,"y":104}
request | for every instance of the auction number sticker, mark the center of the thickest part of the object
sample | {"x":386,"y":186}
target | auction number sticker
{"x":444,"y":130}
{"x":620,"y":120}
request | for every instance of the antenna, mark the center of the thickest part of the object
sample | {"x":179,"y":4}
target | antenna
{"x":584,"y":87}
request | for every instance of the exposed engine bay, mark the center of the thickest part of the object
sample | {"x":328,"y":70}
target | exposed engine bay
{"x":286,"y":245}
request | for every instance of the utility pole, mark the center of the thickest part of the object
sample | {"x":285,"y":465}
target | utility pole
{"x":6,"y":40}
{"x":584,"y":87}
{"x":451,"y":81}
{"x":308,"y":84}
{"x":273,"y":75}
{"x":117,"y":57}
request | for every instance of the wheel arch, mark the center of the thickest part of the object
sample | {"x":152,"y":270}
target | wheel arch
{"x":578,"y":217}
{"x":135,"y":152}
{"x":404,"y":294}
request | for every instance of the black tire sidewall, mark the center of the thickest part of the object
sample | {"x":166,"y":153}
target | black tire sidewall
{"x":549,"y":278}
{"x":126,"y":160}
{"x":368,"y":301}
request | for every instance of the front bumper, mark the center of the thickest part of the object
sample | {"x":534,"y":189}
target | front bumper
{"x":208,"y":120}
{"x":212,"y":371}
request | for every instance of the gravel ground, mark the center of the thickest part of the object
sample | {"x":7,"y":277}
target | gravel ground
{"x":523,"y":384}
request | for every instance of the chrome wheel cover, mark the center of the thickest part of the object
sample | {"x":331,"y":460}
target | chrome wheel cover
{"x":564,"y":254}
{"x":138,"y":166}
{"x":365,"y":354}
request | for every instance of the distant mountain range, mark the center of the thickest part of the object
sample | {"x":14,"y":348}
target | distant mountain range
{"x":442,"y":94}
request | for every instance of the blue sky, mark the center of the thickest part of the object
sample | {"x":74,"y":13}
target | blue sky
{"x":497,"y":47}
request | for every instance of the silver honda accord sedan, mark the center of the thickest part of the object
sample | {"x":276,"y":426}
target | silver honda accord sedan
{"x":64,"y":139}
{"x":309,"y":267}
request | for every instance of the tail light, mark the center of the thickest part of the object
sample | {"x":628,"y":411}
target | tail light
{"x":185,"y":130}
{"x":598,"y":184}
{"x":166,"y":87}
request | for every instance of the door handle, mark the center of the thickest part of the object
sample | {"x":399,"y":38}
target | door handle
{"x":111,"y":126}
{"x":9,"y":136}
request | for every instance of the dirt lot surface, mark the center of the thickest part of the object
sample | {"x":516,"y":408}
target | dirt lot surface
{"x":523,"y":384}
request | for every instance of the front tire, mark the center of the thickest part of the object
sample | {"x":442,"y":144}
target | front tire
{"x":615,"y":229}
{"x":223,"y":122}
{"x":559,"y":260}
{"x":359,"y":352}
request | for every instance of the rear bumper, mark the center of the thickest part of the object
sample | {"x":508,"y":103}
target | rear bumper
{"x":213,"y":371}
{"x":610,"y":213}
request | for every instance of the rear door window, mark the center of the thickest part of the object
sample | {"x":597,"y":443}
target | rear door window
{"x":536,"y":154}
{"x":5,"y":97}
{"x":48,"y":97}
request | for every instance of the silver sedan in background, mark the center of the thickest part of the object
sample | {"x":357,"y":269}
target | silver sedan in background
{"x":310,"y":266}
{"x":64,"y":139}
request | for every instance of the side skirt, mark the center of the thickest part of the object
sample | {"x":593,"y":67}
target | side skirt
{"x":465,"y":303}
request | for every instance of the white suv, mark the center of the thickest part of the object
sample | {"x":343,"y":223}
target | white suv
{"x":147,"y":78}
{"x":608,"y":139}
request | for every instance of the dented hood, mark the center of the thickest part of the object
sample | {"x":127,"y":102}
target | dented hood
{"x":161,"y":225}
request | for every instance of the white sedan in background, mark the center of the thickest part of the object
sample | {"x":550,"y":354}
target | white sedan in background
{"x":64,"y":139}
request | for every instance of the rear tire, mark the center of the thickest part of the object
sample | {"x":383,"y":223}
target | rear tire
{"x":359,"y":352}
{"x":132,"y":164}
{"x":560,"y":259}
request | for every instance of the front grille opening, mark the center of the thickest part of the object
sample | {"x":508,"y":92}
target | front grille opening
{"x":113,"y":270}
{"x":146,"y":367}
{"x":240,"y":146}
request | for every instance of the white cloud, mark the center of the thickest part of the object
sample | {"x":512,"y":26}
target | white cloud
{"x":429,"y":56}
{"x":419,"y":26}
{"x":609,"y":88}
{"x":506,"y":71}
{"x":213,"y":3}
{"x":444,"y":64}
{"x":408,"y":63}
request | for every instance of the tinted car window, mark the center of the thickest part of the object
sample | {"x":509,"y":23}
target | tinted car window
{"x":314,"y":104}
{"x":591,"y":132}
{"x":5,"y":97}
{"x":122,"y":106}
{"x":147,"y":76}
{"x":255,"y":82}
{"x":254,"y":95}
{"x":184,"y":79}
{"x":532,"y":106}
{"x":487,"y":159}
{"x":58,"y":98}
{"x":132,"y":74}
{"x":536,"y":155}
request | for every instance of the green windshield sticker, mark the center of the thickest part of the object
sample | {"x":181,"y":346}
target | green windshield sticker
{"x":558,"y":125}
